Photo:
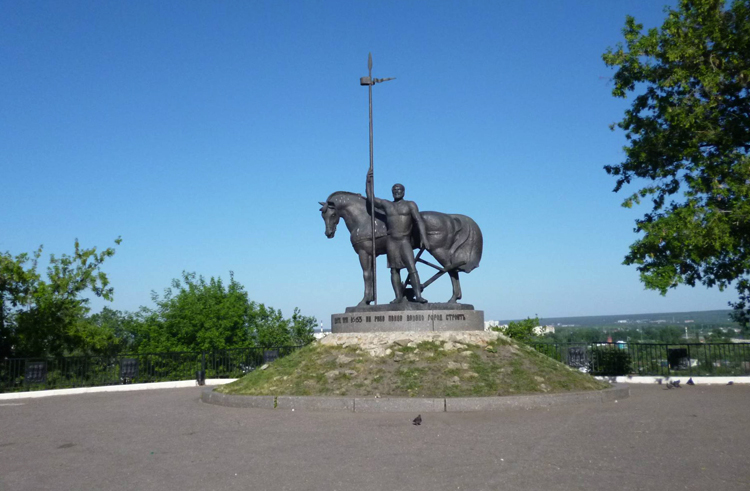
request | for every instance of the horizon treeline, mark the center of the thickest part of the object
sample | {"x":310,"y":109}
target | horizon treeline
{"x":668,"y":334}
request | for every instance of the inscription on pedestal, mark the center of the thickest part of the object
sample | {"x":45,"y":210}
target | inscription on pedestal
{"x":424,"y":320}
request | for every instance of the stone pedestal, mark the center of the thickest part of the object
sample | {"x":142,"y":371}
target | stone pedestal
{"x":409,"y":317}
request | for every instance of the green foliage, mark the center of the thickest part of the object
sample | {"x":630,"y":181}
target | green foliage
{"x":45,"y":317}
{"x":578,"y":335}
{"x":610,"y":361}
{"x":688,"y":134}
{"x":109,"y":332}
{"x":302,"y":328}
{"x":199,"y":315}
{"x":522,"y":331}
{"x":16,"y":280}
{"x":49,"y":316}
{"x":195,"y":315}
{"x":271,"y":329}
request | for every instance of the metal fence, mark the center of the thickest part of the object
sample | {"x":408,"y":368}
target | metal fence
{"x":23,"y":374}
{"x":689,"y":359}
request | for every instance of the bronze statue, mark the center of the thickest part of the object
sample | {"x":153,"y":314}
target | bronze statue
{"x":400,"y":217}
{"x":381,"y":226}
{"x":454,"y":240}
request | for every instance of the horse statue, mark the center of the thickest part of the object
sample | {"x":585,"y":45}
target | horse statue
{"x":455,"y":240}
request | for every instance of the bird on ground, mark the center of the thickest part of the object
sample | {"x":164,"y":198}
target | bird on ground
{"x":669,"y":384}
{"x":418,"y":420}
{"x":676,"y":383}
{"x":730,"y":383}
{"x":690,"y":381}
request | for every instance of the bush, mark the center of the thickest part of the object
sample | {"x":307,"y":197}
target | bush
{"x":522,"y":331}
{"x":196,"y":314}
{"x":610,"y":361}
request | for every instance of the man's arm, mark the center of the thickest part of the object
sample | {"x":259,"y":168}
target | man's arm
{"x":423,"y":241}
{"x":368,"y":193}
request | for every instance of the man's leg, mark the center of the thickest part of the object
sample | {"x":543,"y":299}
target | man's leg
{"x":411,"y":266}
{"x":417,"y":286}
{"x":398,"y":288}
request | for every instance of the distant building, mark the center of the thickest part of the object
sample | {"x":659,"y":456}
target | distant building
{"x":320,"y":333}
{"x":624,"y":321}
{"x":488,"y":325}
{"x":538,"y":330}
{"x":542,"y":330}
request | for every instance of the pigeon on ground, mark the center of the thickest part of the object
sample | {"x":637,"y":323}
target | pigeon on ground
{"x":730,"y":383}
{"x":690,"y":381}
{"x":418,"y":420}
{"x":669,"y":384}
{"x":676,"y":383}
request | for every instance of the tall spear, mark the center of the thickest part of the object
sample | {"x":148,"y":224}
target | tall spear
{"x":369,"y":82}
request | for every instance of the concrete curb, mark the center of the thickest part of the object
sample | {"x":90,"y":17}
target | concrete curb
{"x":419,"y":405}
{"x":398,"y":404}
{"x":365,"y":402}
{"x":261,"y":402}
{"x":628,"y":379}
{"x":314,"y":403}
{"x":110,"y":388}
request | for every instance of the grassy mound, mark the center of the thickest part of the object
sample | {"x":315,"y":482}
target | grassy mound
{"x":427,"y":369}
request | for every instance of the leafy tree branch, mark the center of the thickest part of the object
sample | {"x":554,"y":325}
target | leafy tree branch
{"x":688,"y":138}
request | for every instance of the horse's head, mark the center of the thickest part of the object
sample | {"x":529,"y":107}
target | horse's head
{"x":330,"y":216}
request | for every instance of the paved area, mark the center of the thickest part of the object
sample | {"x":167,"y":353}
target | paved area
{"x":690,"y":438}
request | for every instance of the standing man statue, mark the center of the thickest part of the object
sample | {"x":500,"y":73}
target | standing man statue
{"x":400,"y":216}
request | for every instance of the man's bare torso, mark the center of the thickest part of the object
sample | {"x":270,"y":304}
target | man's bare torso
{"x":399,"y":218}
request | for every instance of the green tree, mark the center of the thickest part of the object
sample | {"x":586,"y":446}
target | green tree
{"x":579,"y":335}
{"x":688,"y":138}
{"x":522,"y":331}
{"x":719,"y":335}
{"x":195,"y":315}
{"x":108,"y":332}
{"x":16,"y":280}
{"x":199,"y":315}
{"x":47,"y":317}
{"x":302,"y":328}
{"x":670,"y":334}
{"x":271,"y":329}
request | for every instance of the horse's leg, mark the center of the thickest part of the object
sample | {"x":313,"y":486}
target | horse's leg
{"x":365,"y":260}
{"x":456,"y":286}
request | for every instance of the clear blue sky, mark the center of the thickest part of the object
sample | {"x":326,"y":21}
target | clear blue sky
{"x":205,"y":133}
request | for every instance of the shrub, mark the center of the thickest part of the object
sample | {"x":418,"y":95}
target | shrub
{"x":610,"y":361}
{"x":522,"y":331}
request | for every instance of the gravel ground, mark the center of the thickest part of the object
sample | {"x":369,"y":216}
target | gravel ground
{"x":689,"y":438}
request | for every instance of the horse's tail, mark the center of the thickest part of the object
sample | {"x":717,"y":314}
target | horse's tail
{"x":467,"y":244}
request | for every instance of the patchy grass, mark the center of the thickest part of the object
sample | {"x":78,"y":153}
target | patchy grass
{"x":427,"y":370}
